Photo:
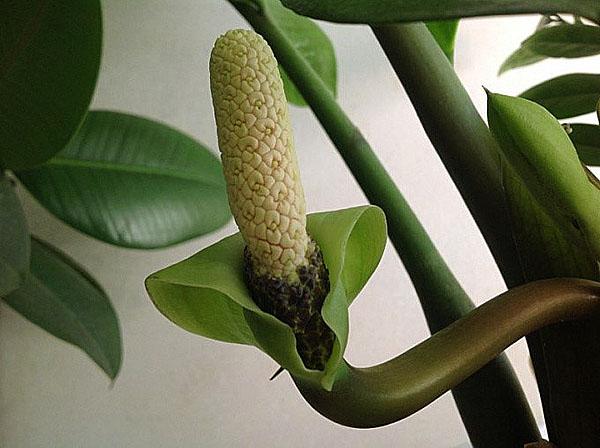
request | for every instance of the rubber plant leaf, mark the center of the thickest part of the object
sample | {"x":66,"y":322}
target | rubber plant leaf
{"x":568,"y":95}
{"x":49,"y":61}
{"x":206,"y":293}
{"x":62,"y":298}
{"x":132,"y":182}
{"x":444,"y":32}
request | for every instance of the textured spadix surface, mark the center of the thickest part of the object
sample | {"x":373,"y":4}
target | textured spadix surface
{"x":257,"y":150}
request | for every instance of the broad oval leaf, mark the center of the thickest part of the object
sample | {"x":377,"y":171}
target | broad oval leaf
{"x":393,"y":11}
{"x":306,"y":37}
{"x":568,"y":95}
{"x":556,"y":41}
{"x":14,"y":239}
{"x":586,"y":138}
{"x":60,"y":297}
{"x":206,"y":293}
{"x":49,"y":61}
{"x":132,"y":182}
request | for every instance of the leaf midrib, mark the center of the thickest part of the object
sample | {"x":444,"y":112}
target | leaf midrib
{"x":128,"y":168}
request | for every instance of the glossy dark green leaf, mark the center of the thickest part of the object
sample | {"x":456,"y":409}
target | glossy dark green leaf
{"x":132,"y":182}
{"x":392,"y":11}
{"x":559,"y":41}
{"x":308,"y":39}
{"x":522,"y":57}
{"x":565,"y":41}
{"x":14,"y":239}
{"x":206,"y":294}
{"x":444,"y":32}
{"x":586,"y":138}
{"x":59,"y":297}
{"x":567,"y":96}
{"x":49,"y":60}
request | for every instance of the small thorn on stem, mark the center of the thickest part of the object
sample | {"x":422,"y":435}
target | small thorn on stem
{"x":277,"y":373}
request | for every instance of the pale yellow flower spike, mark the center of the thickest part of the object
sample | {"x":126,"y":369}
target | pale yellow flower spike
{"x":257,"y":151}
{"x":284,"y":268}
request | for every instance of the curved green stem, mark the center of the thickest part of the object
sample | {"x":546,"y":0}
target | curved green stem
{"x":383,"y":394}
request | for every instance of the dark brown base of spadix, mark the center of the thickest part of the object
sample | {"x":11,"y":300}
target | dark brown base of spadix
{"x":298,"y":305}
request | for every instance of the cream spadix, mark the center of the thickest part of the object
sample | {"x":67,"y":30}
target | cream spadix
{"x":284,"y":267}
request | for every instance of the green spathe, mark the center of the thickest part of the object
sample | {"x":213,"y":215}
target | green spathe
{"x":206,"y":294}
{"x":541,"y":153}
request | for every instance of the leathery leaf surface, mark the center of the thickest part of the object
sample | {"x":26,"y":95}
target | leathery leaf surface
{"x":206,"y":294}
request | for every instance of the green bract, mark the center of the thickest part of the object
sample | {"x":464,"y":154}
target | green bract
{"x":539,"y":149}
{"x":206,"y":294}
{"x":554,"y":206}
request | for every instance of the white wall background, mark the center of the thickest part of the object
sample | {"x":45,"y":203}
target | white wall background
{"x":180,"y":390}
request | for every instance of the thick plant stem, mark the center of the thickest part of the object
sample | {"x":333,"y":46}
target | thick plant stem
{"x":458,"y":133}
{"x":470,"y":154}
{"x":564,"y":356}
{"x":382,"y":394}
{"x":442,"y":298}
